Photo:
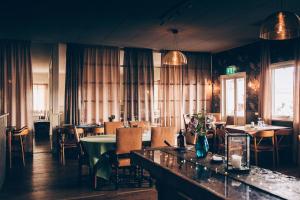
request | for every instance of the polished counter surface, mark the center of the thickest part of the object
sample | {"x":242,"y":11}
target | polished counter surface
{"x":211,"y":179}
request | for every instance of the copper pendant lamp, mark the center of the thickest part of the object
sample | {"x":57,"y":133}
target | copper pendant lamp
{"x":174,"y":57}
{"x":281,"y":25}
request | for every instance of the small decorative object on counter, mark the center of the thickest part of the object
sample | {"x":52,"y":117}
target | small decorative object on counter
{"x":111,"y":118}
{"x":180,"y":140}
{"x":237,"y":152}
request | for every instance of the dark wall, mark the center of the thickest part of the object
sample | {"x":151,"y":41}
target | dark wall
{"x":247,"y":59}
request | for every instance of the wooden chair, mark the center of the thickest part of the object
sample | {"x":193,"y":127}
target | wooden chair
{"x":18,"y":137}
{"x":264,"y":141}
{"x":67,"y":140}
{"x":127,"y":140}
{"x":284,"y":142}
{"x":190,"y":138}
{"x":110,"y":128}
{"x":160,"y":134}
{"x":98,"y":131}
{"x":229,"y":120}
{"x":220,"y":141}
{"x":82,"y":155}
{"x":140,"y":124}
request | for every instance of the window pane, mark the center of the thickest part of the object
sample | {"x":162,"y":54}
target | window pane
{"x":283,"y":80}
{"x":240,"y":106}
{"x":230,"y":97}
{"x":40,"y":97}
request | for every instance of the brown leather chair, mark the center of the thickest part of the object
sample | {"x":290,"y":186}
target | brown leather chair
{"x":98,"y":131}
{"x":284,"y":141}
{"x":127,"y":140}
{"x":18,"y":136}
{"x":264,"y":141}
{"x":140,"y":124}
{"x":110,"y":128}
{"x":160,"y":134}
{"x":190,"y":138}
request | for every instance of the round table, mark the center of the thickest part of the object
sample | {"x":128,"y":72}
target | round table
{"x":98,"y":148}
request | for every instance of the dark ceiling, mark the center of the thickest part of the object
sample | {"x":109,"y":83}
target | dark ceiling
{"x":204,"y":25}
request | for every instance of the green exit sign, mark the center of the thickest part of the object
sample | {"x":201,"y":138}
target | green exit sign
{"x":231,"y":69}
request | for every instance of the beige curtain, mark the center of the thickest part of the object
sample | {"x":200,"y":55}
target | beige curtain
{"x":196,"y":83}
{"x":101,"y":84}
{"x":170,"y":96}
{"x":16,"y":85}
{"x":265,"y":95}
{"x":138,"y":84}
{"x":184,"y":89}
{"x":296,"y":120}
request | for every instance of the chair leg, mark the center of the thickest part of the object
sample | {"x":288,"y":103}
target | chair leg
{"x":256,"y":158}
{"x":117,"y":178}
{"x":22,"y":149}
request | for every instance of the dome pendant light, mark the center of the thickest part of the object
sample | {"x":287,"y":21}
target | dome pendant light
{"x":174,"y":57}
{"x":281,"y":25}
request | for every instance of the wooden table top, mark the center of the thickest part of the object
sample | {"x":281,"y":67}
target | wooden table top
{"x":256,"y":129}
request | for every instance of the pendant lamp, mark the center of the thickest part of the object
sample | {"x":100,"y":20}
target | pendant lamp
{"x":174,"y":57}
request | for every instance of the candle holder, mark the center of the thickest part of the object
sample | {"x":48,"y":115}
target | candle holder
{"x":237,"y":152}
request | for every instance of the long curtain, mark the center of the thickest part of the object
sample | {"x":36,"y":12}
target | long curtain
{"x":73,"y":83}
{"x":184,"y":89}
{"x":196,"y":83}
{"x":138,"y":84}
{"x":265,"y":95}
{"x":16,"y":84}
{"x":101,"y":84}
{"x":296,"y":119}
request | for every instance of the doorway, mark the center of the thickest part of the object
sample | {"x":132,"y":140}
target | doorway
{"x":233,"y":97}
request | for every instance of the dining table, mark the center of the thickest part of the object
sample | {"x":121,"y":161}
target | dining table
{"x":99,"y":149}
{"x":254,"y":129}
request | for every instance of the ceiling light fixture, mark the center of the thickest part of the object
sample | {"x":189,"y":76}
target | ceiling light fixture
{"x":174,"y":57}
{"x":281,"y":25}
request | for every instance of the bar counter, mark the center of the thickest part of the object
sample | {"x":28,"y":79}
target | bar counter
{"x":179,"y":175}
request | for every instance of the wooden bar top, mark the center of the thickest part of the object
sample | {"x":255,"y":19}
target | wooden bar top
{"x":203,"y":179}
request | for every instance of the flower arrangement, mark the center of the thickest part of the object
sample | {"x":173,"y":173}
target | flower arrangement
{"x":197,"y":124}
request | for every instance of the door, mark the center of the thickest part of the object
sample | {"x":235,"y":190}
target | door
{"x":233,"y":98}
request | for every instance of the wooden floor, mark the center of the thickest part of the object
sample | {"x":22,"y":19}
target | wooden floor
{"x":44,"y":178}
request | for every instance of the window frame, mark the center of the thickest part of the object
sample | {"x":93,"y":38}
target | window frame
{"x":274,"y":66}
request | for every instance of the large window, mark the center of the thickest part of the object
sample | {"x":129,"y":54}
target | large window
{"x":40,"y":99}
{"x":282,"y":91}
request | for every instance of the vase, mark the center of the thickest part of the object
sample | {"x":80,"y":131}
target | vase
{"x":201,"y":145}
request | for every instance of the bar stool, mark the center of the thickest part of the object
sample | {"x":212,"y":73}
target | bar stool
{"x":260,"y":144}
{"x":17,"y":135}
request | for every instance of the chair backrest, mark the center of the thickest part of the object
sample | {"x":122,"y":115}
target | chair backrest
{"x":128,"y":139}
{"x":190,"y":138}
{"x":110,"y":128}
{"x":160,"y":134}
{"x":22,"y":131}
{"x":98,"y":131}
{"x":230,"y":120}
{"x":79,"y":133}
{"x":264,"y":134}
{"x":139,"y":124}
{"x":217,"y":116}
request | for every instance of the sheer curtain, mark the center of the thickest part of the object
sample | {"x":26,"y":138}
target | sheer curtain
{"x":138,"y":84}
{"x":16,"y":85}
{"x":296,"y":120}
{"x":196,"y":79}
{"x":184,"y":89}
{"x":73,"y":83}
{"x":170,"y":96}
{"x":101,"y":84}
{"x":265,"y":95}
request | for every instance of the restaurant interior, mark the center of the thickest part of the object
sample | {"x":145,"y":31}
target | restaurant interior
{"x":171,"y":99}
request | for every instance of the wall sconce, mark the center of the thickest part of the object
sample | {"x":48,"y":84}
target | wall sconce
{"x":253,"y":84}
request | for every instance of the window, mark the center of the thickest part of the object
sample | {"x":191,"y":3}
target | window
{"x":157,"y":67}
{"x":282,"y":91}
{"x":40,"y":99}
